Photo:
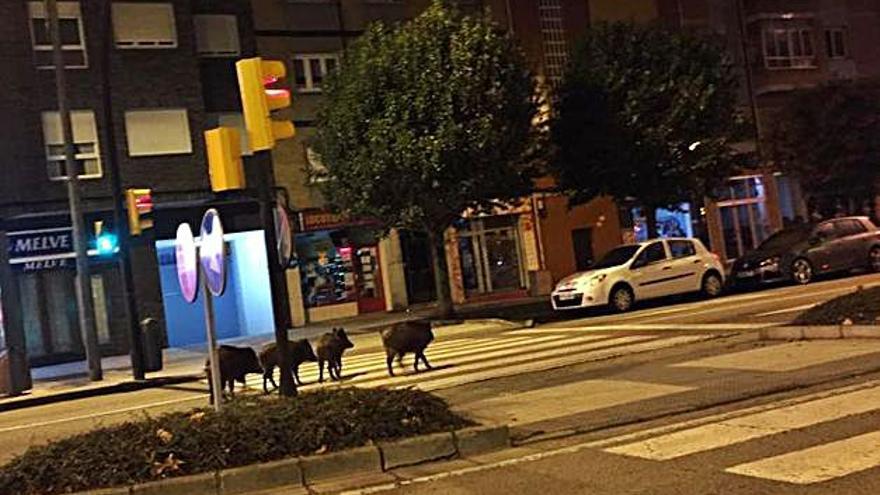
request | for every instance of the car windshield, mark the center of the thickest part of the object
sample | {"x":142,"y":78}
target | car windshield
{"x":617,"y":256}
{"x":786,"y":238}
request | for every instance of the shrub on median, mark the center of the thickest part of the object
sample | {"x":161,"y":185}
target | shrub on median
{"x":250,"y":430}
{"x":860,"y":308}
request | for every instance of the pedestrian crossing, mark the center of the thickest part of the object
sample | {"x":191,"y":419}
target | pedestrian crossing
{"x":462,"y":360}
{"x":729,"y":432}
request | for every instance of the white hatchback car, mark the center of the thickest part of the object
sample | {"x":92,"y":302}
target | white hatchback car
{"x":655,"y":268}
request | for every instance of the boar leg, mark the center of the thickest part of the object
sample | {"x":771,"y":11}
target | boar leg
{"x":389,"y":360}
{"x":320,"y":371}
{"x":421,"y":354}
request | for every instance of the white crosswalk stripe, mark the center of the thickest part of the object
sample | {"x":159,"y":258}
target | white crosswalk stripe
{"x":814,"y":464}
{"x":465,"y":360}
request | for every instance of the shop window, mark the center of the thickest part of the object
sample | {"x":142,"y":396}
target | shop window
{"x":217,"y":35}
{"x":157,"y":132}
{"x":670,"y":223}
{"x":85,"y":140}
{"x":309,"y":71}
{"x":327,"y":268}
{"x":144,"y":25}
{"x":835,"y":42}
{"x":70,"y":25}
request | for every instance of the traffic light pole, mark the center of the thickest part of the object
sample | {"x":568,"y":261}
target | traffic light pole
{"x":277,"y":273}
{"x":136,"y":344}
{"x":85,"y":303}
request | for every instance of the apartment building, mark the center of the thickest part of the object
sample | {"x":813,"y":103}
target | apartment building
{"x":144,"y":80}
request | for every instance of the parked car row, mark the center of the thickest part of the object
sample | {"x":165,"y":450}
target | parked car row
{"x":666,"y":267}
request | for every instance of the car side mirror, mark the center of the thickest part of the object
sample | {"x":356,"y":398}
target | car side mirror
{"x":815,"y":240}
{"x":638,"y":264}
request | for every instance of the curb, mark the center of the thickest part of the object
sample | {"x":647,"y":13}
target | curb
{"x":305,"y":471}
{"x":13,"y":403}
{"x":820,"y":332}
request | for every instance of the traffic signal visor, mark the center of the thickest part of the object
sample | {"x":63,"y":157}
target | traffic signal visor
{"x":139,"y":203}
{"x":259,"y":98}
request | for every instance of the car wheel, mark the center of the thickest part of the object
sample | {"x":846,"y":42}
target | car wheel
{"x":802,"y":271}
{"x":621,"y":299}
{"x":874,"y":259}
{"x":712,"y":285}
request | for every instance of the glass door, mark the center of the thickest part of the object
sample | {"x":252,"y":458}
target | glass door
{"x":490,"y":253}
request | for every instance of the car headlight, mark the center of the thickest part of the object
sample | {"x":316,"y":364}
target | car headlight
{"x":597,"y":279}
{"x":770,"y":262}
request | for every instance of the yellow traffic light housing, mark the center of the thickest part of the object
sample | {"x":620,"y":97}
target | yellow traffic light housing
{"x":139,"y":203}
{"x":258,"y":99}
{"x":224,"y":159}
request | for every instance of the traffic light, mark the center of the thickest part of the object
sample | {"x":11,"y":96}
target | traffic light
{"x":139,"y":203}
{"x":106,"y":242}
{"x":224,"y":159}
{"x":258,"y":99}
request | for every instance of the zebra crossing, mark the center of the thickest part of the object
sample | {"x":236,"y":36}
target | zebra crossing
{"x":730,"y":432}
{"x":461,"y":360}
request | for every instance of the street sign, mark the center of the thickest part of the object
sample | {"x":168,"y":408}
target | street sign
{"x":187,"y":263}
{"x":212,"y":252}
{"x":284,"y":236}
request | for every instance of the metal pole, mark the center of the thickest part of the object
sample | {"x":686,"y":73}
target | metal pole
{"x":136,"y":344}
{"x":747,"y":64}
{"x":277,"y":273}
{"x":213,"y":354}
{"x":85,"y":303}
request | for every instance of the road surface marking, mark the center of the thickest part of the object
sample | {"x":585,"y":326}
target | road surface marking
{"x":788,"y":310}
{"x":753,"y":426}
{"x":787,"y":357}
{"x":569,"y":399}
{"x":659,"y":430}
{"x":664,"y":326}
{"x":817,"y":464}
{"x":99,"y":414}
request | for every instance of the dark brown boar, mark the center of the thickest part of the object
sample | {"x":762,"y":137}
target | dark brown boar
{"x":407,"y":337}
{"x":330,"y":348}
{"x":300,"y":352}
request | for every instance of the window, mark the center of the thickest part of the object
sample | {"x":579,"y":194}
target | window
{"x":217,"y":35}
{"x":653,"y":253}
{"x":70,"y":26}
{"x":682,"y":249}
{"x":144,"y":25}
{"x":85,"y":140}
{"x":835,"y":42}
{"x":849,"y":227}
{"x":309,"y":71}
{"x":553,"y":37}
{"x":157,"y":132}
{"x":825,"y":231}
{"x":788,"y":48}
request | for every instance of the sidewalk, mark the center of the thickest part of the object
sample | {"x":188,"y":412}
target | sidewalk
{"x":180,"y":365}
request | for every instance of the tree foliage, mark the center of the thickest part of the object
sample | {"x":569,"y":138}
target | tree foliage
{"x":424,"y":121}
{"x":645,"y":113}
{"x":829,"y":139}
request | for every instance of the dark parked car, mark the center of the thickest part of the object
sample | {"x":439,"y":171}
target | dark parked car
{"x":801,"y":252}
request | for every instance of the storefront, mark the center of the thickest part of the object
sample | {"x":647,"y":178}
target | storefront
{"x":340,"y":266}
{"x":493,"y":256}
{"x":42,"y":263}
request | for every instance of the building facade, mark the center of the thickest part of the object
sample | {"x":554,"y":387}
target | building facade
{"x":144,"y":80}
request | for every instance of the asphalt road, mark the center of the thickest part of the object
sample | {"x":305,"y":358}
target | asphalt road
{"x":468,"y":360}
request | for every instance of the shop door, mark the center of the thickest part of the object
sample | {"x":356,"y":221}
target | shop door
{"x":418,"y":267}
{"x":368,"y":280}
{"x":491,"y":256}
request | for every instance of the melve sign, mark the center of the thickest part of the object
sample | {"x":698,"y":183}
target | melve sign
{"x":43,"y":249}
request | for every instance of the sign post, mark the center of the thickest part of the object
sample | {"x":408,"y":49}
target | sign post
{"x":212,"y":258}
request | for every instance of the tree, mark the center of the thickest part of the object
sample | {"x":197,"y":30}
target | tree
{"x":828,"y":138}
{"x":424,"y":121}
{"x":645,"y":114}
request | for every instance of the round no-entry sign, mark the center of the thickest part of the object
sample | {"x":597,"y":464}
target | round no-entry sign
{"x":212,"y":252}
{"x":187,"y":263}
